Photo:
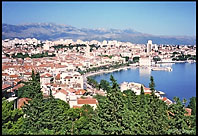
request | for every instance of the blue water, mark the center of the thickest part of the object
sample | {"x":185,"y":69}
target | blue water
{"x":180,"y":82}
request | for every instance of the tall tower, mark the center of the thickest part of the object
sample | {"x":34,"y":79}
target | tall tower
{"x":149,"y":44}
{"x":87,"y":51}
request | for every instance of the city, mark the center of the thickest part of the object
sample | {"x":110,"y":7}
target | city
{"x":62,"y":71}
{"x":98,"y":68}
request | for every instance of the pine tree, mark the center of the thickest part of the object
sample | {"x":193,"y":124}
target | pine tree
{"x":192,"y":105}
{"x":152,"y":84}
{"x":142,"y":90}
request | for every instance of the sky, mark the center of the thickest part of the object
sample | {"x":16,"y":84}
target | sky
{"x":157,"y":18}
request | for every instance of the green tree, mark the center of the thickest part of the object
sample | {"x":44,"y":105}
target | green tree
{"x":152,"y":85}
{"x":192,"y":105}
{"x":45,"y":114}
{"x":12,"y":119}
{"x":136,"y":59}
{"x":178,"y":122}
{"x":104,"y":85}
{"x":82,"y":124}
{"x":142,"y":90}
{"x":31,"y":88}
{"x":110,"y":114}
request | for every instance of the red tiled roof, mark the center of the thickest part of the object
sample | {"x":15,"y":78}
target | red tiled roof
{"x":5,"y":74}
{"x":62,"y":91}
{"x":76,"y":106}
{"x":60,"y":66}
{"x":68,"y":77}
{"x":79,"y":64}
{"x":46,"y":75}
{"x":21,"y":102}
{"x":28,"y":73}
{"x":87,"y":101}
{"x":80,"y":91}
{"x":58,"y":77}
{"x":71,"y":90}
{"x":13,"y":76}
{"x":4,"y":86}
{"x":147,"y":92}
{"x":146,"y":88}
{"x":49,"y":75}
{"x":189,"y":111}
{"x":18,"y":86}
{"x":164,"y":99}
{"x":54,"y":85}
{"x":17,"y":80}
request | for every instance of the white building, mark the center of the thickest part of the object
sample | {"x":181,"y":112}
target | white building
{"x":46,"y":47}
{"x":87,"y":51}
{"x":145,"y":61}
{"x":61,"y":94}
{"x":149,"y":44}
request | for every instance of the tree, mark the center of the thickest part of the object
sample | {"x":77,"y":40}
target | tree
{"x":82,"y":125}
{"x":178,"y":122}
{"x":192,"y":105}
{"x":31,"y":88}
{"x":12,"y":119}
{"x":152,"y":85}
{"x":104,"y":85}
{"x":136,"y":59}
{"x":45,"y":114}
{"x":115,"y":86}
{"x":92,"y":82}
{"x":142,"y":90}
{"x":110,"y":114}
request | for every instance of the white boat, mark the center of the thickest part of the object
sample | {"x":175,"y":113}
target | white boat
{"x":190,"y":61}
{"x":169,"y":68}
{"x":161,"y":68}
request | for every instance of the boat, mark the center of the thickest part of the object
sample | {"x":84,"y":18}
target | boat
{"x":190,"y":61}
{"x":169,"y":68}
{"x":161,"y":68}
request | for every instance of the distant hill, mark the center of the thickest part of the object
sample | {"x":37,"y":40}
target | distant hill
{"x":52,"y":31}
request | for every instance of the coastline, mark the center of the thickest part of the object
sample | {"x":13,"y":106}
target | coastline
{"x":126,"y":67}
{"x":108,"y":71}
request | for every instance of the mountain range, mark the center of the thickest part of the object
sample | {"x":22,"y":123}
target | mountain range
{"x":52,"y":31}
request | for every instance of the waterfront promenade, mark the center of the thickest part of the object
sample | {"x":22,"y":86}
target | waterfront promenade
{"x":108,"y":71}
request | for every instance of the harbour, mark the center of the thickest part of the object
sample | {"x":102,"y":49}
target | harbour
{"x":180,"y":82}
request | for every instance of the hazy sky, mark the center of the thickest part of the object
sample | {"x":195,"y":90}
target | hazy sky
{"x":157,"y":18}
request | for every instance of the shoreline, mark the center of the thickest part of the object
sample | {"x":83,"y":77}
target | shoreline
{"x":108,"y":71}
{"x":132,"y":66}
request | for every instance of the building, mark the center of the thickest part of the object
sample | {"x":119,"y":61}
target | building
{"x":149,"y":44}
{"x":46,"y":47}
{"x":145,"y":61}
{"x":87,"y":51}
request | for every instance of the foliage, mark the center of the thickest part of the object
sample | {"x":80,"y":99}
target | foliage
{"x":32,"y":87}
{"x":92,"y":82}
{"x":104,"y":85}
{"x":142,"y":90}
{"x":20,"y":55}
{"x":136,"y":59}
{"x":192,"y":105}
{"x":117,"y":113}
{"x":180,"y":124}
{"x":12,"y":119}
{"x":152,"y":84}
{"x":157,"y":58}
{"x":126,"y":58}
{"x":100,"y":98}
{"x":44,"y":114}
